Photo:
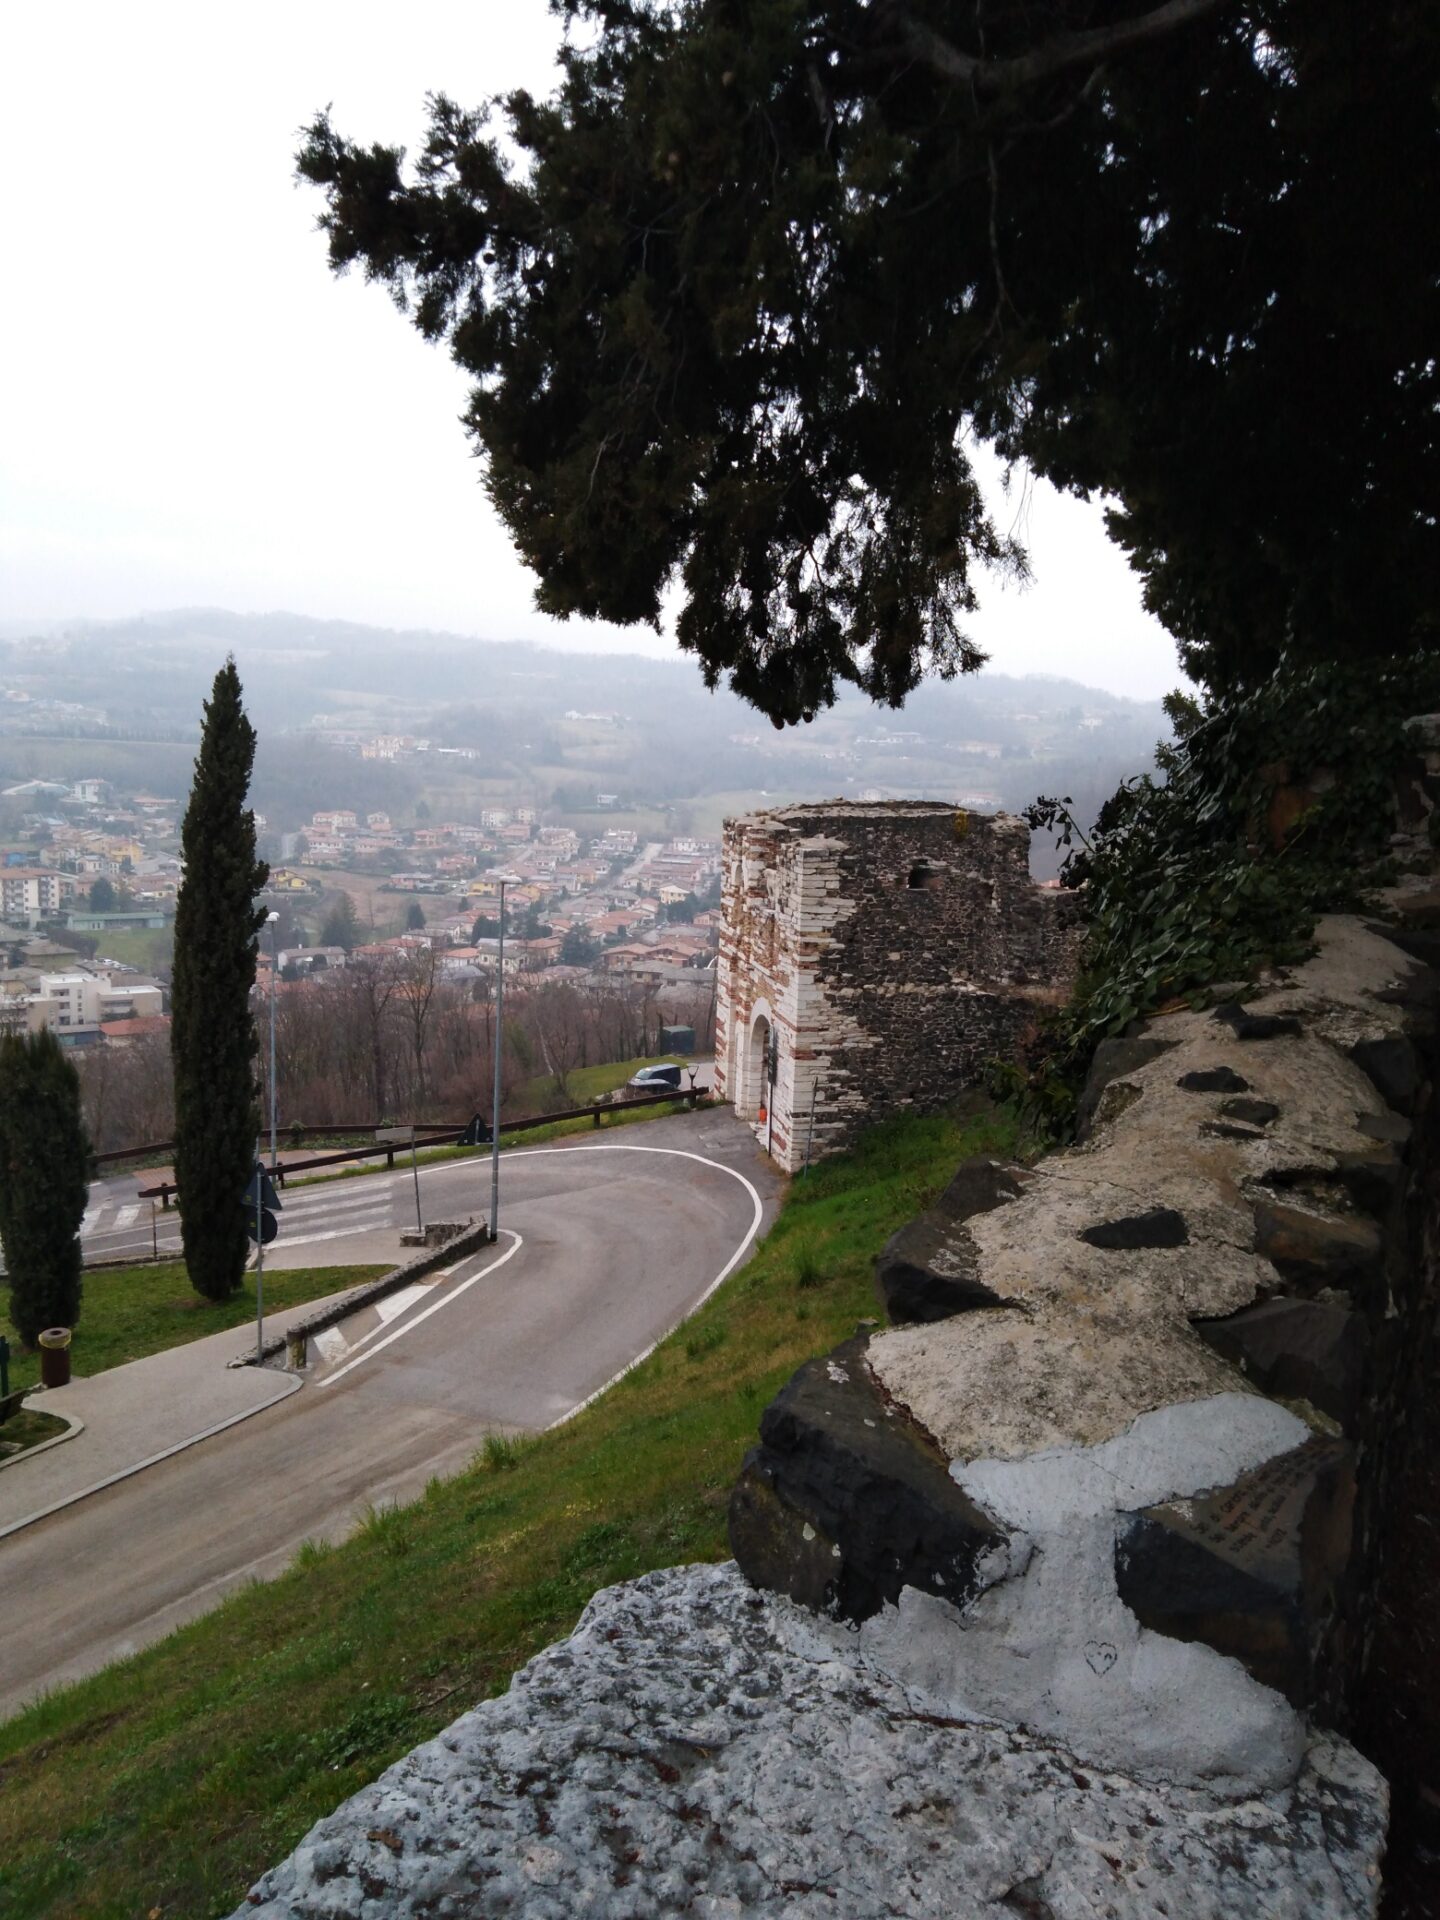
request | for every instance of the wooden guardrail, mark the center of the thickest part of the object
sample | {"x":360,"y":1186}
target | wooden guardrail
{"x":114,"y":1156}
{"x":441,"y":1136}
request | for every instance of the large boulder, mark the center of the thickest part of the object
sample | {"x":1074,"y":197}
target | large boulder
{"x":1254,"y":1569}
{"x":929,"y":1268}
{"x":694,"y":1751}
{"x":846,"y":1501}
{"x":1312,"y":1350}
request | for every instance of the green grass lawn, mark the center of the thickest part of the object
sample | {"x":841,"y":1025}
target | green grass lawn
{"x":584,"y":1085}
{"x":146,"y":948}
{"x":25,"y":1430}
{"x":127,"y":1312}
{"x":169,"y":1782}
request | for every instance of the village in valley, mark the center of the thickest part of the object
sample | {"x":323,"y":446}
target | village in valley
{"x":606,"y":939}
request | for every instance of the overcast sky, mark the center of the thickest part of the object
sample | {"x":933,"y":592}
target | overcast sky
{"x":196,"y":413}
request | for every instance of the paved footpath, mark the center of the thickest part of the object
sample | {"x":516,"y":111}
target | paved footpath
{"x":132,"y":1416}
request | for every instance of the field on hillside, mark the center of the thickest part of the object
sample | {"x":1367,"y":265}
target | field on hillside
{"x":166,"y":1784}
{"x":136,"y":947}
{"x":376,"y":910}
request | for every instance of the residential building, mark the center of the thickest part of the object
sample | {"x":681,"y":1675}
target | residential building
{"x":31,"y":894}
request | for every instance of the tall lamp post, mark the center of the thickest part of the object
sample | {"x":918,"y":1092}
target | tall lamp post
{"x":495,"y":1099}
{"x":271,"y":921}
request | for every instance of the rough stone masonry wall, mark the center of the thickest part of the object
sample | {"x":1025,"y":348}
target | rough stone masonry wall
{"x":1144,"y":1463}
{"x":891,"y":949}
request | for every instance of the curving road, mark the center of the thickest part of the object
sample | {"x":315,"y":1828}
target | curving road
{"x":317,"y":1212}
{"x":603,"y":1247}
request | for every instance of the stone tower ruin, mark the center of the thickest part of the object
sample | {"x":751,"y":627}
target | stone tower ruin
{"x":873,"y":958}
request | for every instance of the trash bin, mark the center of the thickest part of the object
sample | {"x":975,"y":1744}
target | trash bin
{"x":55,"y":1357}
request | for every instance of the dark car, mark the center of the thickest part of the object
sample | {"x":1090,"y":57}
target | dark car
{"x":655,"y":1080}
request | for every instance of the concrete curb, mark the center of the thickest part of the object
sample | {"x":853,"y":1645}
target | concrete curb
{"x":139,"y":1466}
{"x":464,"y":1244}
{"x":73,"y":1425}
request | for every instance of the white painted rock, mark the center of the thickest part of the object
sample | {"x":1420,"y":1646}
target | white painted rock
{"x":698,"y":1748}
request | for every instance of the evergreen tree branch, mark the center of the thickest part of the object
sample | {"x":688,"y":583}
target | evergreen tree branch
{"x":991,"y":77}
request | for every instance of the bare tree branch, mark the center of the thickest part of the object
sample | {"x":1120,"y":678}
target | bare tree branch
{"x":1059,"y":55}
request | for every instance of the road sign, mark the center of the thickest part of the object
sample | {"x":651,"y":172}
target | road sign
{"x":261,"y":1193}
{"x":477,"y":1134}
{"x":269,"y":1225}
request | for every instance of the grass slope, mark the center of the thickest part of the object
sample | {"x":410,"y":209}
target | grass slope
{"x":583,"y":1085}
{"x":166,"y":1784}
{"x":127,"y":1312}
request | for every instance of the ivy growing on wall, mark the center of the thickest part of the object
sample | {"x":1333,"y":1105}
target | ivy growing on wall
{"x":1266,"y":810}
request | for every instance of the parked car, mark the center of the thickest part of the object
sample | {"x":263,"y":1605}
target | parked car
{"x":655,"y":1080}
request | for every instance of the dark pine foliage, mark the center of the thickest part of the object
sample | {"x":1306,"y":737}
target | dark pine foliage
{"x":761,"y":265}
{"x":212,"y":1033}
{"x":44,"y":1180}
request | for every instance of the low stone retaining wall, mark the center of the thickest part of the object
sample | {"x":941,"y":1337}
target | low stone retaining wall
{"x":463,"y":1240}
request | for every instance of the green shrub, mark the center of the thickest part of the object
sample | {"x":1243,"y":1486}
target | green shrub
{"x":1183,"y":883}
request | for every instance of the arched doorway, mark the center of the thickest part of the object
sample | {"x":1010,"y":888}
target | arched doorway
{"x":755,"y":1086}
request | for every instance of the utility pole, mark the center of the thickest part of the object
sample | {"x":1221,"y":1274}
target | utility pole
{"x":495,"y":1102}
{"x":259,"y":1262}
{"x":273,"y":918}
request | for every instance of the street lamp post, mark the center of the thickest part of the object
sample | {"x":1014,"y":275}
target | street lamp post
{"x":271,"y":921}
{"x":495,"y":1099}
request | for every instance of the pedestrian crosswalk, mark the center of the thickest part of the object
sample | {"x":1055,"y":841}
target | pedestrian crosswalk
{"x":331,"y":1211}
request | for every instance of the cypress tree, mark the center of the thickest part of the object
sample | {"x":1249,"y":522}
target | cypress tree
{"x":44,"y":1182}
{"x":212,"y":1028}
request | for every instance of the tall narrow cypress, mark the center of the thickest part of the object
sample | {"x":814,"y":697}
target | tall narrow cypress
{"x":212,"y":1028}
{"x":44,"y":1182}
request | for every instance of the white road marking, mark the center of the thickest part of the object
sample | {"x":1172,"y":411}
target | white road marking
{"x":87,"y":1225}
{"x":324,"y":1216}
{"x":397,"y":1303}
{"x":678,"y":1153}
{"x":330,"y":1344}
{"x":335,"y":1233}
{"x":451,"y":1293}
{"x":524,"y":1153}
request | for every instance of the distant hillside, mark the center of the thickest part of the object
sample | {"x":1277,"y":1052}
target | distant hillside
{"x":554,"y":729}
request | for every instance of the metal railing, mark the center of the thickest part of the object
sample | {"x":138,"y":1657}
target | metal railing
{"x":437,"y":1136}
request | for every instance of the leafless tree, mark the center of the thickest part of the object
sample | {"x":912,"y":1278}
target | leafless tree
{"x":417,"y":979}
{"x":560,"y":1018}
{"x":372,"y":984}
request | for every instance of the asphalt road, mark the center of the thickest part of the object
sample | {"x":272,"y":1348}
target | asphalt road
{"x":604,"y":1246}
{"x":315,"y":1215}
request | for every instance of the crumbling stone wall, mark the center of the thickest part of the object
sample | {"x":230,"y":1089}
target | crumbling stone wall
{"x":872,"y":958}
